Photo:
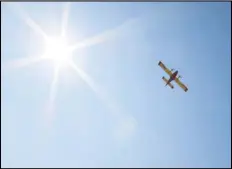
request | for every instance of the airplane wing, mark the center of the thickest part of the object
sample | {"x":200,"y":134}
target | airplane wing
{"x":181,"y":84}
{"x":165,"y":68}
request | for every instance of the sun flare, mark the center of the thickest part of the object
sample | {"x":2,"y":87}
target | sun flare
{"x":58,"y":51}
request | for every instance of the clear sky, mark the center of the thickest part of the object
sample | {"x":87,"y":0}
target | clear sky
{"x":118,"y":113}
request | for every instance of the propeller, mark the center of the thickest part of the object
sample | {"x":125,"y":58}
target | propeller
{"x":179,"y":77}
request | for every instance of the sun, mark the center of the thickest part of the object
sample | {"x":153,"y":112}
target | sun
{"x":58,"y":51}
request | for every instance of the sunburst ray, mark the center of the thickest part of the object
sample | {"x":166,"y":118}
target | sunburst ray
{"x":109,"y":34}
{"x":115,"y":109}
{"x":64,"y":21}
{"x":22,"y":62}
{"x":27,"y":19}
{"x":85,"y":77}
{"x":51,"y":102}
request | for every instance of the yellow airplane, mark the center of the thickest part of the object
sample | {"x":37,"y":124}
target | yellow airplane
{"x":173,"y":76}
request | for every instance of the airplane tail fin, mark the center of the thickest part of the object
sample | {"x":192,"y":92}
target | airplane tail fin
{"x":170,"y":85}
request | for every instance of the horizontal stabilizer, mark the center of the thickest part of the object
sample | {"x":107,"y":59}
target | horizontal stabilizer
{"x":170,"y":85}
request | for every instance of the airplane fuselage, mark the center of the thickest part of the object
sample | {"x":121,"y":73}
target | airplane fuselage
{"x":172,"y":77}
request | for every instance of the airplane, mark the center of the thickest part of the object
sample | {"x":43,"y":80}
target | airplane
{"x":173,"y":76}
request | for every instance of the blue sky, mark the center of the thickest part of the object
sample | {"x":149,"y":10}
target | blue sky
{"x":121,"y":115}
